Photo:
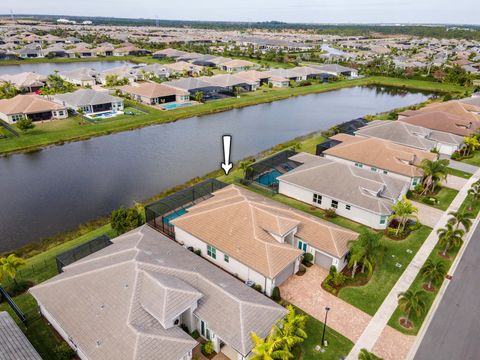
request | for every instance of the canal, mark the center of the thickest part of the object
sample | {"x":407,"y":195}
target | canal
{"x":54,"y":190}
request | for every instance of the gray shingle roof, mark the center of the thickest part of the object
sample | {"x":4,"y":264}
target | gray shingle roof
{"x":86,"y":97}
{"x":14,"y":345}
{"x":107,"y":292}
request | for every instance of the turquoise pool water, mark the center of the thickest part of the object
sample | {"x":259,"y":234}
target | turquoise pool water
{"x":176,"y":105}
{"x":166,"y":219}
{"x":269,"y":178}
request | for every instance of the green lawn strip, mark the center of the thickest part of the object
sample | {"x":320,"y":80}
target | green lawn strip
{"x":444,"y":196}
{"x":369,"y":297}
{"x":60,"y":131}
{"x":430,"y":297}
{"x":475,"y":160}
{"x":459,"y":173}
{"x":148,"y":59}
{"x":338,"y":345}
{"x":39,"y":333}
{"x":469,"y":205}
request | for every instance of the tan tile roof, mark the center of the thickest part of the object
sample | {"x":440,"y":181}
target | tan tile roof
{"x":240,"y":223}
{"x":380,"y":153}
{"x":237,"y":63}
{"x":27,"y":104}
{"x":24,"y":79}
{"x":152,"y":90}
{"x":457,"y":108}
{"x":443,"y":121}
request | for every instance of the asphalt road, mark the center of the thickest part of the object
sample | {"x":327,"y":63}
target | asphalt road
{"x":454,"y":333}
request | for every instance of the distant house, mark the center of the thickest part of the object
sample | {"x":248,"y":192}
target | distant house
{"x":130,"y":50}
{"x":33,"y":107}
{"x":257,"y":239}
{"x":259,"y":77}
{"x":337,"y":70}
{"x":14,"y":345}
{"x":183,"y":66}
{"x":360,"y":195}
{"x":168,"y":53}
{"x":25,"y":81}
{"x":236,"y":65}
{"x":31,"y":52}
{"x":157,"y":70}
{"x":153,"y":93}
{"x":381,"y":156}
{"x":80,"y":77}
{"x":443,"y":121}
{"x":122,"y":72}
{"x":413,"y":136}
{"x":142,"y":296}
{"x":232,"y":82}
{"x":90,"y":101}
{"x":195,"y":85}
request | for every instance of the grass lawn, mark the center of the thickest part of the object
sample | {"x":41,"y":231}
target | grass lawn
{"x":469,"y":205}
{"x":369,"y":297}
{"x":148,"y":59}
{"x":475,"y":160}
{"x":418,"y":285}
{"x":459,"y":173}
{"x":72,"y":129}
{"x":444,"y":196}
{"x":338,"y":345}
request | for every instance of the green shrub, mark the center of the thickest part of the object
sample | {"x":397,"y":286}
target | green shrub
{"x":338,"y":279}
{"x":276,"y":294}
{"x":429,"y":200}
{"x":307,"y":259}
{"x":332,"y":271}
{"x":123,"y":220}
{"x":195,"y":334}
{"x":258,"y":287}
{"x":64,"y":352}
{"x":302,"y":268}
{"x":25,"y":124}
{"x":17,"y":287}
{"x":198,"y":252}
{"x":330,"y":213}
{"x":207,"y":348}
{"x":419,"y":188}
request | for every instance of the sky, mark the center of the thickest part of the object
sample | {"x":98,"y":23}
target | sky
{"x":305,"y":11}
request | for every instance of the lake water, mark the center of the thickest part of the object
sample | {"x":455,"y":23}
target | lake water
{"x":56,"y":189}
{"x":49,"y":68}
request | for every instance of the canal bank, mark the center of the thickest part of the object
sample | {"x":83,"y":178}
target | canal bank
{"x":52,"y":191}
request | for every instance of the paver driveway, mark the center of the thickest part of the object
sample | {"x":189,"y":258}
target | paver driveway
{"x":426,"y":214}
{"x":393,"y":345}
{"x":306,"y":293}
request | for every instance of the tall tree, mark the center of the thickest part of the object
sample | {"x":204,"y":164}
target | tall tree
{"x":409,"y":301}
{"x":271,"y":348}
{"x":449,"y":236}
{"x":7,"y":90}
{"x":433,"y":172}
{"x":433,"y":271}
{"x":474,"y":192}
{"x":291,"y":329}
{"x":471,"y":144}
{"x":9,"y":266}
{"x":403,"y":210}
{"x":365,"y":250}
{"x":461,"y":217}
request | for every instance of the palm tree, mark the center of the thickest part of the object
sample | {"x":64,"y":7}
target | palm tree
{"x":449,"y":236}
{"x":409,"y":301}
{"x":474,"y":192}
{"x":471,"y":144}
{"x":403,"y":210}
{"x":7,"y":90}
{"x":291,"y":329}
{"x":366,"y":355}
{"x":245,"y":164}
{"x":270,"y":348}
{"x":433,"y":172}
{"x":9,"y":266}
{"x":461,"y":217}
{"x":366,"y":249}
{"x":433,"y":272}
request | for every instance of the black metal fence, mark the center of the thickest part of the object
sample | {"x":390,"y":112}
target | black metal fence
{"x":260,"y":167}
{"x":159,"y":213}
{"x":4,"y":295}
{"x":70,"y":256}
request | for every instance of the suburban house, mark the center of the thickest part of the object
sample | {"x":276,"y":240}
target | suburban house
{"x":142,"y":296}
{"x":129,"y":50}
{"x":259,"y":77}
{"x":157,"y":70}
{"x":231,"y":82}
{"x":354,"y":193}
{"x":278,"y":81}
{"x":90,"y":101}
{"x":153,"y":93}
{"x":80,"y":77}
{"x":183,"y":66}
{"x":381,"y":156}
{"x":168,"y":53}
{"x":236,"y":65}
{"x":13,"y":342}
{"x":413,"y":136}
{"x":337,"y":70}
{"x":443,"y":121}
{"x":33,"y":107}
{"x":122,"y":72}
{"x":259,"y":240}
{"x":194,"y":85}
{"x":25,"y":81}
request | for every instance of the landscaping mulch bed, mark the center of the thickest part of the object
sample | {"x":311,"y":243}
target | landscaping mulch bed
{"x":426,"y":288}
{"x":407,"y":325}
{"x":447,"y":257}
{"x":359,"y":280}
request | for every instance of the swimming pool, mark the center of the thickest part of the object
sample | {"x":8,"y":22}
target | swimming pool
{"x":174,"y":106}
{"x":269,"y":178}
{"x":166,"y":219}
{"x":104,"y":115}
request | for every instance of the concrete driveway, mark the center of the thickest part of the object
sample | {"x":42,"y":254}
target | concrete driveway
{"x":460,"y":165}
{"x":426,"y":214}
{"x":306,"y":293}
{"x":454,"y":182}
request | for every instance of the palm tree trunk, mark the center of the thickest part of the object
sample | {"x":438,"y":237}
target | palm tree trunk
{"x":446,"y":249}
{"x":354,"y":269}
{"x":430,"y":284}
{"x":363,"y":267}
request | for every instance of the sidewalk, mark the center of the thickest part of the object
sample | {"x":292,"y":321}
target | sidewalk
{"x":379,"y":321}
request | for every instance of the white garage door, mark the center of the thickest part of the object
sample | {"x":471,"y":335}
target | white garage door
{"x":323,"y":260}
{"x":285,"y":274}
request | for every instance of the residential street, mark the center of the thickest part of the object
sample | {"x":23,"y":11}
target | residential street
{"x":454,"y":332}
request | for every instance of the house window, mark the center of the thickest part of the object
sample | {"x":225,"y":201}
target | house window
{"x":204,"y":330}
{"x":347,"y":207}
{"x":317,"y":198}
{"x":212,"y":252}
{"x":373,"y":168}
{"x":385,"y":172}
{"x":358,"y":165}
{"x":226,"y":258}
{"x":383,"y":219}
{"x":302,"y":245}
{"x":415,"y":182}
{"x":335,"y":204}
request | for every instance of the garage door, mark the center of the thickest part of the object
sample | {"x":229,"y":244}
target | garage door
{"x":285,"y":274}
{"x":323,"y":260}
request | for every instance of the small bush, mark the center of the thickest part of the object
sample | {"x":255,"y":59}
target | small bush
{"x":195,"y":334}
{"x":25,"y":124}
{"x":276,"y":294}
{"x":307,"y":259}
{"x":124,"y":220}
{"x":64,"y":352}
{"x":338,"y":279}
{"x":429,"y":200}
{"x":207,"y":348}
{"x":302,"y":269}
{"x":258,"y":287}
{"x":330,"y":213}
{"x":198,"y":252}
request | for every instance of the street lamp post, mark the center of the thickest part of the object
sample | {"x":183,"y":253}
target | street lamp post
{"x":327,"y":309}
